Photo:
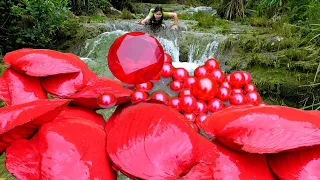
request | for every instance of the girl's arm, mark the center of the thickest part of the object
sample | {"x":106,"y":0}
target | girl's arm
{"x":175,"y":17}
{"x":147,"y":18}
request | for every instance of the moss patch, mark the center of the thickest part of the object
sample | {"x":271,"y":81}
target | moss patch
{"x":285,"y":87}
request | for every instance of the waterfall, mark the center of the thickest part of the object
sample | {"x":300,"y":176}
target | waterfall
{"x":200,"y":48}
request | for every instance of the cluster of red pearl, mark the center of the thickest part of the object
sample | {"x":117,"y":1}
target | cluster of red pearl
{"x":208,"y":91}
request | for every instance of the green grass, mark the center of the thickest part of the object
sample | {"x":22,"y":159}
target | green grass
{"x":126,"y":14}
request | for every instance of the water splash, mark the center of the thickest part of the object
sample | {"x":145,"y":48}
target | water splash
{"x":99,"y":39}
{"x":205,"y":9}
{"x":170,"y":48}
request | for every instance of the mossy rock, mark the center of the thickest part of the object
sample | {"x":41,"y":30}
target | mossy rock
{"x":291,"y":87}
{"x":87,"y":31}
{"x":183,"y":53}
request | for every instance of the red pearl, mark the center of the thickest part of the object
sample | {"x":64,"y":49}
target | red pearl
{"x":139,"y":96}
{"x":188,"y":103}
{"x":238,"y":99}
{"x":253,"y":98}
{"x":190,"y":116}
{"x":185,"y":92}
{"x":224,"y":93}
{"x":237,"y":79}
{"x":215,"y":105}
{"x":228,"y":78}
{"x":247,"y":77}
{"x":167,"y":58}
{"x":236,"y":91}
{"x":226,"y":84}
{"x":189,"y":81}
{"x":193,"y":126}
{"x":201,"y":107}
{"x":205,"y":88}
{"x":250,"y":88}
{"x":145,"y":86}
{"x":262,"y":104}
{"x":212,"y":64}
{"x":174,"y":103}
{"x":180,"y":74}
{"x":106,"y":100}
{"x":176,"y":85}
{"x":218,"y":75}
{"x":167,"y":70}
{"x":138,"y":66}
{"x":201,"y":71}
{"x":201,"y":118}
{"x":160,"y":96}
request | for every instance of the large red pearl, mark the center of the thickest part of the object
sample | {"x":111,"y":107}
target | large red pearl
{"x":250,"y":88}
{"x":180,"y":74}
{"x":205,"y":88}
{"x":189,"y":81}
{"x":190,"y":116}
{"x":253,"y":98}
{"x":247,"y":77}
{"x":200,"y":119}
{"x":106,"y":100}
{"x":238,"y":99}
{"x":139,"y":96}
{"x":215,"y":105}
{"x":176,"y":85}
{"x":188,"y":103}
{"x":186,"y":92}
{"x":160,"y":96}
{"x":138,"y":66}
{"x":226,"y":84}
{"x":218,"y":75}
{"x":228,"y":78}
{"x":144,"y":86}
{"x":174,"y":103}
{"x":167,"y":70}
{"x":201,"y":71}
{"x":237,"y":91}
{"x":212,"y":64}
{"x":201,"y":107}
{"x":167,"y":58}
{"x":224,"y":94}
{"x":237,"y":79}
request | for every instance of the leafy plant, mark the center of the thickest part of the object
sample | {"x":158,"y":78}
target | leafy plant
{"x":126,"y":14}
{"x":31,"y":23}
{"x":230,"y":9}
{"x":88,"y":7}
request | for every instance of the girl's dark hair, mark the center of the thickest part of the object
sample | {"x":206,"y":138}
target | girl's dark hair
{"x":158,"y":8}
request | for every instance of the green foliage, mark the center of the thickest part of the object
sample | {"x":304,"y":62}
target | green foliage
{"x":199,"y":2}
{"x":230,"y":9}
{"x":186,"y":16}
{"x":126,"y":14}
{"x":207,"y":21}
{"x":89,"y":7}
{"x":259,"y":21}
{"x":32,"y":23}
{"x":122,"y":4}
{"x":204,"y":19}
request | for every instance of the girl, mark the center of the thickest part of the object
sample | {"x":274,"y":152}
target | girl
{"x":156,"y":16}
